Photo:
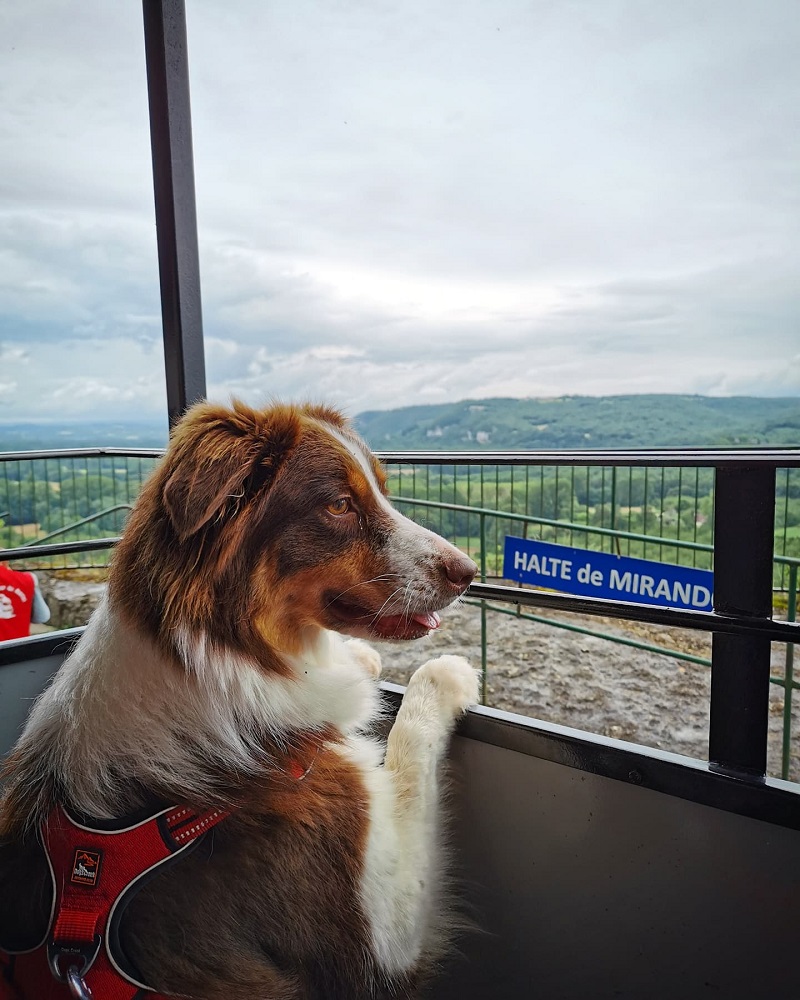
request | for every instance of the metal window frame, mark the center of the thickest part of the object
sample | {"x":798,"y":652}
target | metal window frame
{"x":167,"y":62}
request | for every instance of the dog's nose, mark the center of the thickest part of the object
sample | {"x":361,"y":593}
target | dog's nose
{"x":460,"y":570}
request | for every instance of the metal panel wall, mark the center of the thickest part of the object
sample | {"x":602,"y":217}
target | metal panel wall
{"x":20,"y":683}
{"x":587,"y":888}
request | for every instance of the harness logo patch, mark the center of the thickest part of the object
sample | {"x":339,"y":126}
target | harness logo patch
{"x":86,"y":867}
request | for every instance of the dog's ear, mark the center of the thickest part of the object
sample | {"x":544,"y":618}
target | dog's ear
{"x":216,"y":453}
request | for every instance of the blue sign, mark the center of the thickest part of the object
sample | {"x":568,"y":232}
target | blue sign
{"x":603,"y":574}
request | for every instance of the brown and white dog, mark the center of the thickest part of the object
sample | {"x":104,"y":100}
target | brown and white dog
{"x":216,"y":673}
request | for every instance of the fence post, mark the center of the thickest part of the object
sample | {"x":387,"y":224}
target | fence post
{"x":744,"y":518}
{"x":788,"y":675}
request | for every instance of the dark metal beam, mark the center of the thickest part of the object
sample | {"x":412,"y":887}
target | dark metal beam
{"x":765,"y":628}
{"x":744,"y":524}
{"x":176,"y":218}
{"x":628,"y":457}
{"x":672,"y":458}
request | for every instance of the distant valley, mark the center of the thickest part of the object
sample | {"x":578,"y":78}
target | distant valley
{"x":57,"y":435}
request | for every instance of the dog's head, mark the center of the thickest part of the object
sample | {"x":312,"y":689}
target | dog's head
{"x":261,"y":526}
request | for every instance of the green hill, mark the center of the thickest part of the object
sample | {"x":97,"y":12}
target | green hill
{"x":498,"y":424}
{"x":585,"y":422}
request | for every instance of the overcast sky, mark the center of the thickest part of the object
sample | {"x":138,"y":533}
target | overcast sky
{"x":411,"y":201}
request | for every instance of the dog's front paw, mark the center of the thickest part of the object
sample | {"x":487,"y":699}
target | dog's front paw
{"x":365,"y":656}
{"x":455,"y":681}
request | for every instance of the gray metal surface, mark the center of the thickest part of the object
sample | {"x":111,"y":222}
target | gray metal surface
{"x":744,"y":540}
{"x":588,"y":888}
{"x":20,"y":683}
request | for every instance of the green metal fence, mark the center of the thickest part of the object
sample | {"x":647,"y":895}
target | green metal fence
{"x":785,"y":567}
{"x":69,"y":496}
{"x":663,"y":514}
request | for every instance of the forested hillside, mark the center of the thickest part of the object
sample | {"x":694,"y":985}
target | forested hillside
{"x":586,"y":422}
{"x":559,"y":422}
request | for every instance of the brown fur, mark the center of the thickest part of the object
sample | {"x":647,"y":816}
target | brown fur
{"x":232,"y":540}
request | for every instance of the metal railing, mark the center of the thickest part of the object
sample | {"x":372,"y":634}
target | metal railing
{"x":562,"y":495}
{"x":742,"y":523}
{"x":70,"y":494}
{"x":785,"y":566}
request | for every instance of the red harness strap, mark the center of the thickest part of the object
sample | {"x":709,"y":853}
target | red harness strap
{"x":92,"y":870}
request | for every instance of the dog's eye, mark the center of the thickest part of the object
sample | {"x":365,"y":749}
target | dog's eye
{"x":340,"y":506}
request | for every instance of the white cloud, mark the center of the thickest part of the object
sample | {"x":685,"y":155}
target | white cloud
{"x":409,"y":202}
{"x":13,"y":354}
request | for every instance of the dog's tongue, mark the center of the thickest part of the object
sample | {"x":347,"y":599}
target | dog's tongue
{"x":430,"y":620}
{"x":397,"y":624}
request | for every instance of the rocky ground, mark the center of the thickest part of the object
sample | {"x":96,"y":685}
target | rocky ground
{"x":594,"y":684}
{"x":72,"y":598}
{"x":556,"y":675}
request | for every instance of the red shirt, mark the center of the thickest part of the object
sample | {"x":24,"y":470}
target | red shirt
{"x":16,"y":603}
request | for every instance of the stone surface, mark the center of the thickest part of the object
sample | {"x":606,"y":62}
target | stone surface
{"x":71,"y":602}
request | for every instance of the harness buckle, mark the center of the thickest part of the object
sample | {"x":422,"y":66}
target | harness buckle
{"x":77,"y":986}
{"x":78,"y":958}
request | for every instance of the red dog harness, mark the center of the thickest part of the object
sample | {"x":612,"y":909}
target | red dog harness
{"x":92,"y":871}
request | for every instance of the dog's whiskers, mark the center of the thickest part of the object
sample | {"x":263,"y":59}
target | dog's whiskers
{"x":382,"y":578}
{"x":376,"y":616}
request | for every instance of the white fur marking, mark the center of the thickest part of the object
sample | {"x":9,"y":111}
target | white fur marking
{"x":180,"y":729}
{"x":402,"y":867}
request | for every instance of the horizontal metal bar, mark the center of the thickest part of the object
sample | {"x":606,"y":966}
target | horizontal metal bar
{"x":699,"y":621}
{"x":702,"y":621}
{"x":782,"y":458}
{"x":57,"y":549}
{"x":36,"y":456}
{"x":34,"y":647}
{"x":779,"y":458}
{"x":646,"y":647}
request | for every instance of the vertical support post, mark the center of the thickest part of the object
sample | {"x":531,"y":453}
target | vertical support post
{"x":614,"y":539}
{"x":176,"y":218}
{"x":788,"y":675}
{"x":744,"y":507}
